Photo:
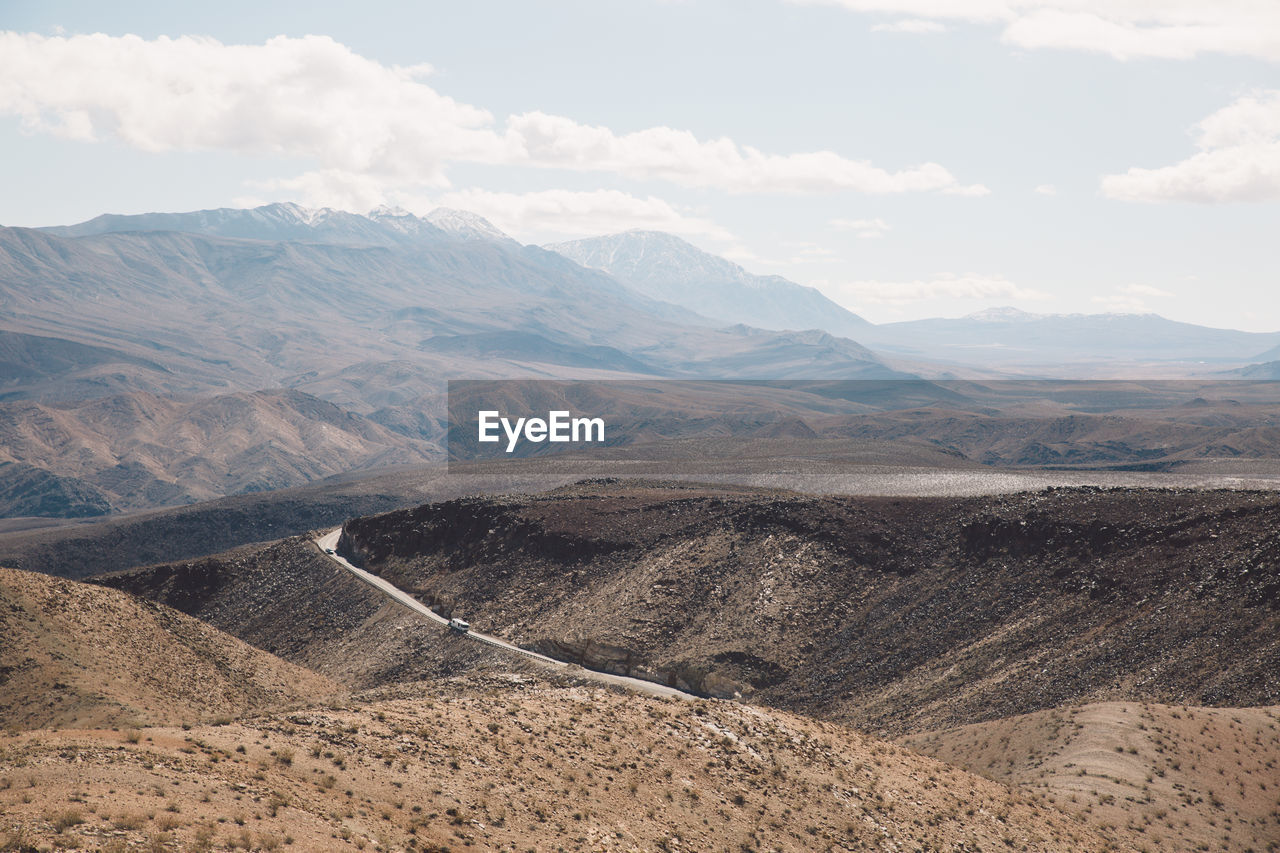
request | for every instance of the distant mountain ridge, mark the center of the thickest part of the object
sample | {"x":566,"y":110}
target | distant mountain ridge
{"x":666,"y":267}
{"x":715,"y":291}
{"x":287,"y":221}
{"x":1009,"y":336}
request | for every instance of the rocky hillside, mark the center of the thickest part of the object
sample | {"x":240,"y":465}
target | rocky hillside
{"x":895,"y":614}
{"x":76,"y":655}
{"x":288,"y":598}
{"x":512,"y":763}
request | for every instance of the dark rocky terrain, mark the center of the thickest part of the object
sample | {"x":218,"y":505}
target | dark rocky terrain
{"x":92,"y":546}
{"x":87,"y":548}
{"x":894,"y":614}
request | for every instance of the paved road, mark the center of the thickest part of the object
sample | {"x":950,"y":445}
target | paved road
{"x":330,"y":541}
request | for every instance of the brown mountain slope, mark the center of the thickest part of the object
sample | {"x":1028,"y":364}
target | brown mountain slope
{"x":895,"y":614}
{"x":140,"y":450}
{"x":80,"y":655}
{"x":515,"y":764}
{"x":1187,"y":778}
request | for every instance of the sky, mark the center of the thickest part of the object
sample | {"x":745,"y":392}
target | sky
{"x":909,"y":158}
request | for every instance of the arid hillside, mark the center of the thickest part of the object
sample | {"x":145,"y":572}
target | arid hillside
{"x":512,"y":763}
{"x":1186,"y":778}
{"x":76,"y":655}
{"x":139,"y":450}
{"x":896,"y":615}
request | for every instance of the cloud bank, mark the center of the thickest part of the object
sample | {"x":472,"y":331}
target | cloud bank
{"x":538,"y":215}
{"x":1238,"y":159}
{"x":367,"y":126}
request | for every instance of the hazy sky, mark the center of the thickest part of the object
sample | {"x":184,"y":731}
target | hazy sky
{"x":911,"y":158}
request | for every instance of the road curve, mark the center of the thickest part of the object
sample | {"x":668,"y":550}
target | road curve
{"x":329,"y":542}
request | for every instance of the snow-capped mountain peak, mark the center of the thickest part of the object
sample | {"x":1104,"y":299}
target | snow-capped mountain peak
{"x":383,"y":211}
{"x":1004,"y":314}
{"x":465,"y":225}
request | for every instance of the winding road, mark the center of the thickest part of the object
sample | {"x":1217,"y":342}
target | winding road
{"x":329,"y":542}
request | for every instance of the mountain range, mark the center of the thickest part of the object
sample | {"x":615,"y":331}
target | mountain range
{"x":665,"y":267}
{"x":372,"y":314}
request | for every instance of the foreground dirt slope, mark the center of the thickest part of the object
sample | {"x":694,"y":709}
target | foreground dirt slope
{"x":79,"y":655}
{"x":514,"y":764}
{"x":1186,"y":778}
{"x":895,"y":614}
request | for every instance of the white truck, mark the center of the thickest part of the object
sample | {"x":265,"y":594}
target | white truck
{"x":459,"y":625}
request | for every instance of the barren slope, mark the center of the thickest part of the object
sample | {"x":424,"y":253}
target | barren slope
{"x":1185,"y":777}
{"x":141,"y":450}
{"x":896,"y":614}
{"x":516,"y":764}
{"x":80,"y":655}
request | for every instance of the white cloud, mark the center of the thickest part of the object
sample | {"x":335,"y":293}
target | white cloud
{"x":941,"y":286}
{"x":1125,"y":29}
{"x":1047,"y":189}
{"x":369,"y":127}
{"x":681,"y":158}
{"x":865,"y":229}
{"x":1144,"y":290}
{"x":305,"y":97}
{"x":1238,"y":160}
{"x":909,"y":25}
{"x":810,"y":253}
{"x":542,"y":216}
{"x":1131,"y":298}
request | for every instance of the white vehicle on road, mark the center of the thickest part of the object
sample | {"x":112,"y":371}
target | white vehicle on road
{"x":460,"y":625}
